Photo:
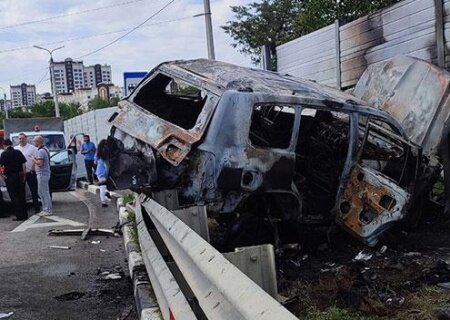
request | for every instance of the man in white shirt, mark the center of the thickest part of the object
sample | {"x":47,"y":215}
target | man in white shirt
{"x":29,"y":151}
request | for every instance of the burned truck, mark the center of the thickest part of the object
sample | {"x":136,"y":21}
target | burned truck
{"x":263,"y":151}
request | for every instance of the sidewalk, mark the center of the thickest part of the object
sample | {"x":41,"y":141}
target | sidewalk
{"x":39,"y":282}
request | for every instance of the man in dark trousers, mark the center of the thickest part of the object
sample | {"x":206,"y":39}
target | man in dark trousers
{"x":13,"y":162}
{"x":88,"y":150}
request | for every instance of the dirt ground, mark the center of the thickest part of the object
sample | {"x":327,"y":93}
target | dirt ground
{"x":403,"y":279}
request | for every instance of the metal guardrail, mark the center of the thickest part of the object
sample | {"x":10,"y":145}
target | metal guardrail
{"x":221,"y":289}
{"x":172,"y":303}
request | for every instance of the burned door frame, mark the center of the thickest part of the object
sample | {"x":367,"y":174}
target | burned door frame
{"x":361,"y":206}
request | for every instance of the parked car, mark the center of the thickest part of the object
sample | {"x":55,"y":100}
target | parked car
{"x":61,"y":163}
{"x":264,"y":152}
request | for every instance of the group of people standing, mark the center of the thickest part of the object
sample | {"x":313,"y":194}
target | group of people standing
{"x":30,"y":164}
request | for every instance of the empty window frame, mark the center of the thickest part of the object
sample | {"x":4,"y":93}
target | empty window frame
{"x":172,"y":100}
{"x":271,"y":126}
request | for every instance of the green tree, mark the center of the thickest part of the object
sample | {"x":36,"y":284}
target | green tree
{"x":43,"y":109}
{"x":20,"y":113}
{"x":274,"y":22}
{"x":267,"y":23}
{"x":316,"y":14}
{"x":114,"y":101}
{"x":98,"y":103}
{"x":2,"y":117}
{"x":69,"y":110}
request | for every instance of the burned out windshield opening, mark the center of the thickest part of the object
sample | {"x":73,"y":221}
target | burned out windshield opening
{"x":172,"y":100}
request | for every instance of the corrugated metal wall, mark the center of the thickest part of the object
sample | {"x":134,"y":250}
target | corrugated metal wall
{"x":313,"y":56}
{"x":410,"y":27}
{"x":94,"y":123}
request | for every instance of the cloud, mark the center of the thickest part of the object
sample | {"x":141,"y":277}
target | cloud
{"x":140,"y":51}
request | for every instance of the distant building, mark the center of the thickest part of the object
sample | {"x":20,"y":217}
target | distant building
{"x":5,"y":104}
{"x":82,"y":96}
{"x":106,"y":91}
{"x":46,"y":96}
{"x":71,"y":75}
{"x":93,"y":75}
{"x":23,"y":95}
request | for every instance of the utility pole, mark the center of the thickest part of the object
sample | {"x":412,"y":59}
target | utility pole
{"x":4,"y":103}
{"x":209,"y":33}
{"x":52,"y":77}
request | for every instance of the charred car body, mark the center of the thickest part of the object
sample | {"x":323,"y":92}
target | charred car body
{"x":261,"y":149}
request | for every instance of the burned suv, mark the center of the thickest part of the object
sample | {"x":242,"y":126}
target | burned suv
{"x":263,"y":150}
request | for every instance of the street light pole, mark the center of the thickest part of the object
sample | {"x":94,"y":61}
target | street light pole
{"x":52,"y":77}
{"x":209,"y":33}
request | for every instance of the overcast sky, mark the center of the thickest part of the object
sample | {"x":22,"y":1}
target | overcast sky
{"x":140,"y":51}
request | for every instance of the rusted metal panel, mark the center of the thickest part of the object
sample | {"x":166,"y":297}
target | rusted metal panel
{"x":414,"y":92}
{"x":370,"y":204}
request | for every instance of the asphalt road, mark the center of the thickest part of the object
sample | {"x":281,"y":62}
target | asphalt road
{"x":39,"y":282}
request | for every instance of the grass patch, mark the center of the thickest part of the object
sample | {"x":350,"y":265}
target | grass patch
{"x":133,"y":230}
{"x":424,"y":303}
{"x":128,"y":198}
{"x":334,"y":313}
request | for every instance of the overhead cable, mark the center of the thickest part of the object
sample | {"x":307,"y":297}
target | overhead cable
{"x":94,"y":35}
{"x":68,"y":14}
{"x":129,"y":32}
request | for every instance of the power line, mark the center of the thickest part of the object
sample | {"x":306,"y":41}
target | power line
{"x":129,"y":32}
{"x":95,"y":35}
{"x":68,"y":14}
{"x":23,"y":75}
{"x":105,"y":46}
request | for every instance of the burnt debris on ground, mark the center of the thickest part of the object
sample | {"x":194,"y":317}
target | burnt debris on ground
{"x":406,"y":277}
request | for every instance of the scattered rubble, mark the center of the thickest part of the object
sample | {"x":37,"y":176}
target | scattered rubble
{"x":362,"y":256}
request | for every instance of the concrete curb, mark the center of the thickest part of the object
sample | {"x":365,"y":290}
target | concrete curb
{"x":146,"y":303}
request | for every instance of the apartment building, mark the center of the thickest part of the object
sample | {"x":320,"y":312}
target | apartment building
{"x":70,"y":75}
{"x":22,"y":95}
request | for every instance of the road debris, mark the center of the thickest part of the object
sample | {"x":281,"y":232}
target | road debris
{"x":96,"y":242}
{"x":84,"y":233}
{"x":6,"y":315}
{"x":113,"y":276}
{"x":60,"y":247}
{"x":75,"y":295}
{"x":362,"y":256}
{"x":383,"y":249}
{"x":412,"y":254}
{"x":445,"y":285}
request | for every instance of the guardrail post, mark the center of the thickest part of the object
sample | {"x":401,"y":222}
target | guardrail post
{"x":440,"y":36}
{"x":258,"y":263}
